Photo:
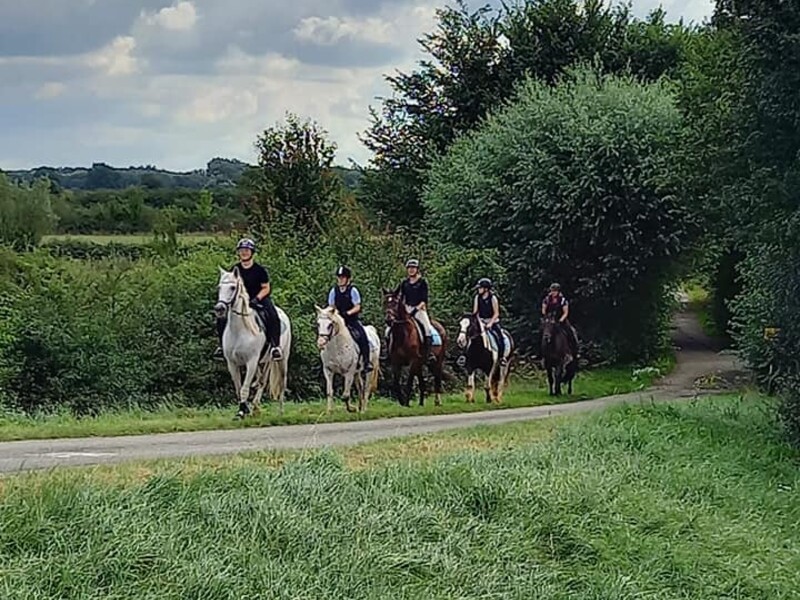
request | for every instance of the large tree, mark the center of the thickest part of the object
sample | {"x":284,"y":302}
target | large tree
{"x":474,"y":59}
{"x":294,"y":184}
{"x":576,"y":183}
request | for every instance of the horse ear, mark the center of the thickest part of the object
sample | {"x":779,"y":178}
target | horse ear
{"x":222,"y":271}
{"x":319,"y":310}
{"x":236,"y":272}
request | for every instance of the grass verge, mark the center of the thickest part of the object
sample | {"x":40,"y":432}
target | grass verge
{"x":663,"y":501}
{"x":528,"y":392}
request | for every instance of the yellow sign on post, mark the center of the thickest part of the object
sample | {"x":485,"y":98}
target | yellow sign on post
{"x":770,"y":333}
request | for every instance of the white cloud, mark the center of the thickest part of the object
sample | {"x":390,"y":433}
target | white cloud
{"x":52,"y":89}
{"x":327,"y":31}
{"x":180,"y":17}
{"x":116,"y":58}
{"x":213,"y":105}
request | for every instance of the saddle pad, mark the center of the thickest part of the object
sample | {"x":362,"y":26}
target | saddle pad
{"x":263,"y":326}
{"x":436,"y":338}
{"x":493,"y":342}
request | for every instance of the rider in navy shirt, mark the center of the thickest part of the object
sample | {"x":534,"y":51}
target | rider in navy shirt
{"x":347,"y":300}
{"x":487,"y":308}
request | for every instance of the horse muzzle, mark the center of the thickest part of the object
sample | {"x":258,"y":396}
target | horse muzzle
{"x":461,"y":340}
{"x":322,"y":342}
{"x":220,"y":309}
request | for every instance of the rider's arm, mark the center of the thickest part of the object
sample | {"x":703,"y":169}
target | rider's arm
{"x":424,"y":288}
{"x":266,"y":287}
{"x":496,"y":308}
{"x":475,"y":306}
{"x":565,"y":313}
{"x":355,"y":296}
{"x":544,"y":307}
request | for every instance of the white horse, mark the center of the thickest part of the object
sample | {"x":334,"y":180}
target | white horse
{"x":340,"y":356}
{"x":244,"y":344}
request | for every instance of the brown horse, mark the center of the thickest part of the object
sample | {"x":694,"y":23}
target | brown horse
{"x":559,"y":362}
{"x":406,"y":348}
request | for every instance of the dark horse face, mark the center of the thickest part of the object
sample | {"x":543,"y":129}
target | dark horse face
{"x":549,"y":328}
{"x":392,"y":307}
{"x":469,"y":329}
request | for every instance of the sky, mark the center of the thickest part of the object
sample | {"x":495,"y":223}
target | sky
{"x":174,"y":83}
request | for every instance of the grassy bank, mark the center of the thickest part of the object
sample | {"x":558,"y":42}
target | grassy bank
{"x":528,"y":392}
{"x":666,"y":501}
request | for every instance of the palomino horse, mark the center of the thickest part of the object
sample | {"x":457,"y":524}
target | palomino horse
{"x":482,"y":355}
{"x":559,"y":362}
{"x":244,"y":345}
{"x":406,"y":349}
{"x":339,"y":353}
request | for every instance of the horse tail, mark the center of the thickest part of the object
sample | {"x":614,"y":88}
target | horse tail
{"x":276,"y":377}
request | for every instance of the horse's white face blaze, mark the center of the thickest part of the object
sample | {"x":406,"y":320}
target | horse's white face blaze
{"x":325,"y":328}
{"x":226,"y":293}
{"x":462,"y":333}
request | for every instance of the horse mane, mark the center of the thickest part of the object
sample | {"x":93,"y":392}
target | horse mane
{"x":243,"y":298}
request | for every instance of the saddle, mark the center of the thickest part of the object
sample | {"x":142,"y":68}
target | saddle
{"x":492,"y":339}
{"x":436,"y":339}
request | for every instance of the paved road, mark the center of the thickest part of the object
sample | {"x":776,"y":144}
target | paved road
{"x":696,"y":357}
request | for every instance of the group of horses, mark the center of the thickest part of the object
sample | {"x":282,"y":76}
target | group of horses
{"x":244,"y":346}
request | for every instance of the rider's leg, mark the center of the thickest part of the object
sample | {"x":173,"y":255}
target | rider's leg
{"x":273,"y":327}
{"x":422,"y":317}
{"x":501,"y":344}
{"x":360,"y":337}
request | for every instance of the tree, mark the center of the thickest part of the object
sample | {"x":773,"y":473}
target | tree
{"x":575,"y":183}
{"x":474,"y":60}
{"x":294,"y":182}
{"x":26,"y":213}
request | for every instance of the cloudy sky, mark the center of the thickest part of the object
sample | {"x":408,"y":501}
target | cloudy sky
{"x":176,"y":82}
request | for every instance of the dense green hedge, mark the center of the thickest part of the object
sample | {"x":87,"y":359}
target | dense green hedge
{"x":91,"y":334}
{"x":579,"y":184}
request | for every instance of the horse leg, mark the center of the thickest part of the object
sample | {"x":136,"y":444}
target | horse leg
{"x":412,"y":372}
{"x":261,"y":384}
{"x":348,"y":385}
{"x":470,"y":391}
{"x":559,"y":376}
{"x":252,"y":367}
{"x":421,"y":382}
{"x":328,"y":388}
{"x":396,"y":384}
{"x":437,"y":382}
{"x":550,"y":385}
{"x":236,"y":375}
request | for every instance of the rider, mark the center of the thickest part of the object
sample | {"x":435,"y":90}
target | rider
{"x":258,"y":286}
{"x":414,"y":293}
{"x":347,"y":300}
{"x":487,"y":308}
{"x":556,"y":303}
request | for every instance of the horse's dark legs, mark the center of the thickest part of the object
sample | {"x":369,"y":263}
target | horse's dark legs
{"x":421,"y":383}
{"x":396,"y":390}
{"x":409,"y":386}
{"x":550,"y":387}
{"x":437,"y":383}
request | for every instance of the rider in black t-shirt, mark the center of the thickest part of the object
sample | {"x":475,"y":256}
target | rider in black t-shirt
{"x":256,"y":281}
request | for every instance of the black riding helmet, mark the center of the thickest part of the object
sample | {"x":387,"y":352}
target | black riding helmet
{"x":484,"y":282}
{"x":555,"y":287}
{"x":344,"y":271}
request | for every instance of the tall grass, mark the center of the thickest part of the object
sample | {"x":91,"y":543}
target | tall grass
{"x":651,"y":502}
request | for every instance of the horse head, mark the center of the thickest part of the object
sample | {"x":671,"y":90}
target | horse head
{"x":228,"y":289}
{"x":393,"y":307}
{"x":549,"y":329}
{"x":469,"y":329}
{"x":328,"y":325}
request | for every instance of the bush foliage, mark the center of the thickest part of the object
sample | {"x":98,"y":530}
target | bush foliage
{"x":109,"y":331}
{"x":577,"y":184}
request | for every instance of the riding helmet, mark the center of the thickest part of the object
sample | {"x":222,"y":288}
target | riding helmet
{"x":246,"y":243}
{"x":485,"y":282}
{"x":344,"y":271}
{"x":412,"y":262}
{"x":555,"y":287}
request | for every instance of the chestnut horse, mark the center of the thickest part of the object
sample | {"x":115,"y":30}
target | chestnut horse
{"x":406,"y":347}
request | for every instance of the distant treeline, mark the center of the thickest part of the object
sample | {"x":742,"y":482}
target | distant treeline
{"x":219,"y":173}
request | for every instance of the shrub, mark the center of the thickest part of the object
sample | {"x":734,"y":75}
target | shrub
{"x":90,"y":335}
{"x":577,"y":184}
{"x":26,"y":213}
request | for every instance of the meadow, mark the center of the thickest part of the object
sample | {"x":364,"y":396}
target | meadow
{"x":663,"y":501}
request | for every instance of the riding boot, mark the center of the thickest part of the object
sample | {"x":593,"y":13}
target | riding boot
{"x":428,"y":348}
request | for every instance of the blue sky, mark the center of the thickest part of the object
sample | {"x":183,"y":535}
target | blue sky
{"x":176,"y":82}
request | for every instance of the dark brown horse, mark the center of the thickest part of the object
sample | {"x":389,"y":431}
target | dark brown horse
{"x":559,"y":362}
{"x":406,"y":348}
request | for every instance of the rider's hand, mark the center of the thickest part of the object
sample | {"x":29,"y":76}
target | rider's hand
{"x":254,"y":302}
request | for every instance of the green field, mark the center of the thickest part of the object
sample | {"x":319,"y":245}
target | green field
{"x":666,"y":501}
{"x":528,"y":392}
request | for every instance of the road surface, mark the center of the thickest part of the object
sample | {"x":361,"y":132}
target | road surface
{"x":697,"y":356}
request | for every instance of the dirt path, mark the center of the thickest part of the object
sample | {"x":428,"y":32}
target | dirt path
{"x":701,"y":368}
